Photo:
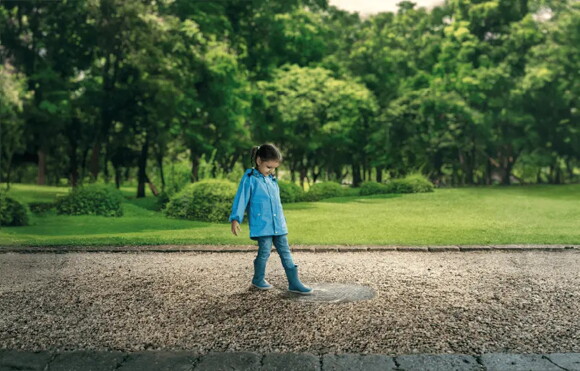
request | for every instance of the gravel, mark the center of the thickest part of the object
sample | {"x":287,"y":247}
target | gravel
{"x":448,"y":302}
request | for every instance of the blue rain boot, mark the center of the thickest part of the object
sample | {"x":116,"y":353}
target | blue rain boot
{"x":259,"y":271}
{"x":294,"y":284}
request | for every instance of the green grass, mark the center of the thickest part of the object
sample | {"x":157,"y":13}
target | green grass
{"x":539,"y":214}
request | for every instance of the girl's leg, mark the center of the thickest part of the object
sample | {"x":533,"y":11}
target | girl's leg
{"x":281,"y":243}
{"x":291,"y":269}
{"x":264,"y":248}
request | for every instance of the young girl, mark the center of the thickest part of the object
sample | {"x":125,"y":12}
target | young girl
{"x":259,"y":193}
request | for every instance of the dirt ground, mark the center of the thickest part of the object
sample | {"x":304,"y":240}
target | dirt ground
{"x":446,"y":302}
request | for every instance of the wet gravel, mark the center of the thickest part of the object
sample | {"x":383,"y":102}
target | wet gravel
{"x":447,"y":302}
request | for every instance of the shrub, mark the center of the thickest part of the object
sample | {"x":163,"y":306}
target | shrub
{"x":40,"y":207}
{"x":93,"y":199}
{"x":414,"y":183}
{"x":318,"y":191}
{"x":208,"y":200}
{"x":372,"y":188}
{"x":290,"y":192}
{"x":12,"y":212}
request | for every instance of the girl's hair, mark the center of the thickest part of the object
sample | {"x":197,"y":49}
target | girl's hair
{"x":267,"y":152}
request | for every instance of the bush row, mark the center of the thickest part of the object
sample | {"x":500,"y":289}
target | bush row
{"x":211,"y":200}
{"x":207,"y":200}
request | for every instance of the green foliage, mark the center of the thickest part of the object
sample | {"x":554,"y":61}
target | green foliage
{"x":12,"y":212}
{"x":468,"y":91}
{"x":414,"y":183}
{"x":290,"y":192}
{"x":208,"y":200}
{"x":318,"y":191}
{"x":372,"y":188}
{"x":161,"y":201}
{"x":178,"y":175}
{"x":40,"y":207}
{"x":550,"y":216}
{"x":325,"y":119}
{"x":92,"y":199}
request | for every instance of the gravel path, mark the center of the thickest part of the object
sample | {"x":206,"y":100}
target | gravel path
{"x":448,"y":302}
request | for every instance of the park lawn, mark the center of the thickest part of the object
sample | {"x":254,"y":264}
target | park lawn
{"x":536,"y":214}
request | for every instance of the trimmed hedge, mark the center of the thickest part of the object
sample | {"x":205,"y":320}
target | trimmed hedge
{"x":318,"y":191}
{"x":92,"y":199}
{"x":415,"y":183}
{"x":208,"y":200}
{"x":372,"y":188}
{"x":290,"y":192}
{"x":12,"y":212}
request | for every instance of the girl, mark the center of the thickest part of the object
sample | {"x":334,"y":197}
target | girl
{"x":259,"y":193}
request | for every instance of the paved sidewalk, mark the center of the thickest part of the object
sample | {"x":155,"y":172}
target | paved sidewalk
{"x":309,"y":248}
{"x":183,"y":360}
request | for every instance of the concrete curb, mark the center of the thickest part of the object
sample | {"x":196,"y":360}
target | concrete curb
{"x":185,"y":360}
{"x":305,"y":248}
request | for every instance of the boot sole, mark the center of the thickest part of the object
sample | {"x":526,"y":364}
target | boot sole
{"x":263,"y":288}
{"x":302,"y":293}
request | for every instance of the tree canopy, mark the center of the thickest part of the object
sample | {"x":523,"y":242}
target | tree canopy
{"x":469,"y":92}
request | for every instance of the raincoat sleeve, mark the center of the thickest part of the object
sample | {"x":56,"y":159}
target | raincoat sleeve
{"x":241,"y":200}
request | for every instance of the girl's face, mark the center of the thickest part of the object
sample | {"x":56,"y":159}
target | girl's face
{"x":267,"y":167}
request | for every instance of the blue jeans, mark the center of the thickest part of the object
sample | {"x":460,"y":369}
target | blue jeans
{"x":281,"y":243}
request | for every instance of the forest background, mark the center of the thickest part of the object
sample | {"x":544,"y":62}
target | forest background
{"x":170,"y":92}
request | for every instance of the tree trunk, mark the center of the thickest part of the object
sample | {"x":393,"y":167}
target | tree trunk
{"x":73,"y":166}
{"x":161,"y":175}
{"x":41,"y":180}
{"x":194,"y":168}
{"x":338,"y":174}
{"x":363,"y":172}
{"x":118,"y":176}
{"x":142,"y":175}
{"x":302,"y":176}
{"x":8,"y":171}
{"x":109,"y":75}
{"x":507,"y":160}
{"x":94,"y":163}
{"x":106,"y":164}
{"x":152,"y":187}
{"x":558,"y":175}
{"x":315,"y":175}
{"x":570,"y":170}
{"x":356,"y":179}
{"x":488,"y":171}
{"x":379,"y":176}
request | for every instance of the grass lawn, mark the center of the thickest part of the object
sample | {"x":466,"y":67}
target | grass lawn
{"x":537,"y":214}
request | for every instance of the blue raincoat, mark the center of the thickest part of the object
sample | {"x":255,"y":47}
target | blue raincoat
{"x":259,"y":195}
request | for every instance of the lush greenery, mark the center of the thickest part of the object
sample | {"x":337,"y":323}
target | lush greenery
{"x":207,"y":200}
{"x":413,"y":183}
{"x":12,"y":212}
{"x":163,"y":93}
{"x":324,"y":190}
{"x":290,"y":192}
{"x":92,"y":199}
{"x":542,"y":214}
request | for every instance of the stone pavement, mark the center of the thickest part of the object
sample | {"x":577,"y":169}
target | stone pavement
{"x":183,"y":360}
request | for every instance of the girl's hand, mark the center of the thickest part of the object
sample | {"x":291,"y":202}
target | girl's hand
{"x":236,"y":227}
